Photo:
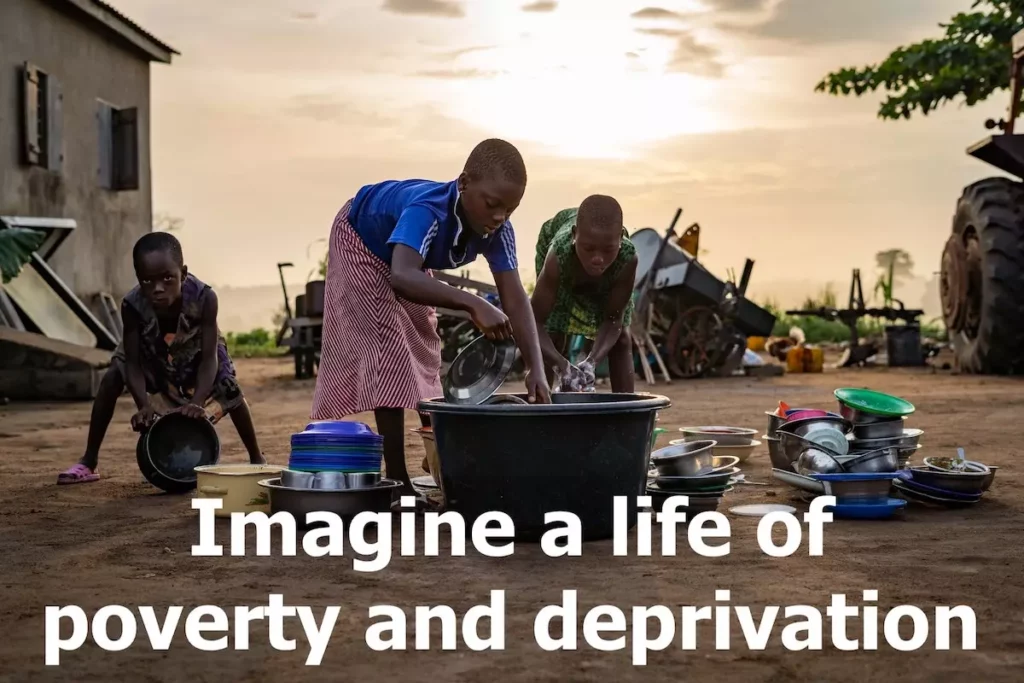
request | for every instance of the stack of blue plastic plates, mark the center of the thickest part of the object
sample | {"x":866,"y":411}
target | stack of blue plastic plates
{"x":336,"y":447}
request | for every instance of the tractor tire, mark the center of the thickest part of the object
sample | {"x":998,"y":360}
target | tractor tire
{"x":982,"y":278}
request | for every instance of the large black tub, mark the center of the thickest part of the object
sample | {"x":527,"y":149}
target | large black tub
{"x":575,"y":455}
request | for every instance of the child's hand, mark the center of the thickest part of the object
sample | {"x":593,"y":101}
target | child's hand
{"x":193,"y":411}
{"x":143,"y":419}
{"x":491,"y":321}
{"x":537,"y":388}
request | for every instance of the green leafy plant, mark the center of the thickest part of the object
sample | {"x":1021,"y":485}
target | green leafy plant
{"x":16,"y":247}
{"x":969,"y":62}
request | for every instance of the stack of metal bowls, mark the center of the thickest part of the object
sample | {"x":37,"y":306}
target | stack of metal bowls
{"x":738,"y":442}
{"x":879,"y":422}
{"x":811,"y":440}
{"x":946,"y":482}
{"x":691,"y":469}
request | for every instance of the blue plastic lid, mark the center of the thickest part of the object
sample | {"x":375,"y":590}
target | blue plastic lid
{"x":340,"y":428}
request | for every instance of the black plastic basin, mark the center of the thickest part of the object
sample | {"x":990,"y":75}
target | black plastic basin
{"x":575,"y":455}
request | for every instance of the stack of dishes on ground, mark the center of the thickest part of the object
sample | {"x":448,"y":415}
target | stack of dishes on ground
{"x":730,"y":442}
{"x":691,"y":469}
{"x":945,"y":482}
{"x":879,"y":421}
{"x":334,"y":467}
{"x":812,"y":451}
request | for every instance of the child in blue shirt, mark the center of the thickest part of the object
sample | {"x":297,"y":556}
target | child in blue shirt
{"x":380,"y":348}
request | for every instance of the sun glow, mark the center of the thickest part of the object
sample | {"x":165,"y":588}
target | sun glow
{"x":584,"y":82}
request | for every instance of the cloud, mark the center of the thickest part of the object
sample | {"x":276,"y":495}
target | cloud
{"x":663,"y":32}
{"x":633,"y":55}
{"x":695,"y":58}
{"x":739,"y":5}
{"x":458,"y":74}
{"x":330,"y":108}
{"x":655,"y":13}
{"x":812,"y":22}
{"x":541,"y":6}
{"x":690,"y":56}
{"x":461,"y":52}
{"x":432,"y":8}
{"x":304,"y":16}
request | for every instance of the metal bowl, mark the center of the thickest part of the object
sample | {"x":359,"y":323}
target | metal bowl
{"x":478,"y":371}
{"x":817,"y":461}
{"x":858,"y":417}
{"x":722,"y":436}
{"x":988,"y":480}
{"x":687,"y":459}
{"x":344,"y":503}
{"x":882,"y":460}
{"x":697,"y":483}
{"x":909,"y":437}
{"x":776,"y":454}
{"x":774,"y":422}
{"x":879,"y":430}
{"x":958,"y":482}
{"x":851,"y":488}
{"x":793,"y":445}
{"x":947,"y":464}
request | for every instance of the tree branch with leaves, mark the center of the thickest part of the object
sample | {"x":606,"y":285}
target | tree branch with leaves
{"x":970,"y":63}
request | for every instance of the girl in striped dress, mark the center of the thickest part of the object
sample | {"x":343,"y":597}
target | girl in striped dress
{"x":380,"y":348}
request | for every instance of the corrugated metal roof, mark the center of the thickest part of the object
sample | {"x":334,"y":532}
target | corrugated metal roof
{"x":113,"y":10}
{"x":109,"y":16}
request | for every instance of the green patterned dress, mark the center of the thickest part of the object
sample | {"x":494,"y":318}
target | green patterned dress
{"x":579,"y":307}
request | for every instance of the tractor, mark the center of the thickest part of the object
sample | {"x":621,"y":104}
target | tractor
{"x":982,"y":275}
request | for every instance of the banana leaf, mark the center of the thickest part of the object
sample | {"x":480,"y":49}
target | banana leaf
{"x":16,"y":247}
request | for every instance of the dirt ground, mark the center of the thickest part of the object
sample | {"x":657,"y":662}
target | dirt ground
{"x":118,"y":541}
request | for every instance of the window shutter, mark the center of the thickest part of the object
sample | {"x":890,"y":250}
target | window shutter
{"x":54,"y":125}
{"x":104,"y":122}
{"x":126,"y":149}
{"x":30,"y":111}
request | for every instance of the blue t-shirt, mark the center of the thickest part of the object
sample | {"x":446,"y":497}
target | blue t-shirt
{"x":421,"y":215}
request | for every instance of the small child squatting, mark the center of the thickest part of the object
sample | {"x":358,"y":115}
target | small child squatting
{"x":586,"y":267}
{"x":381,"y":351}
{"x":173,"y":357}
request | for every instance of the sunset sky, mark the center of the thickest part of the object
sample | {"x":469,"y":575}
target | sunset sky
{"x":279,"y":110}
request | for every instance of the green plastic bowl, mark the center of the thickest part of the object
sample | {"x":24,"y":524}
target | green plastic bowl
{"x":874,"y":402}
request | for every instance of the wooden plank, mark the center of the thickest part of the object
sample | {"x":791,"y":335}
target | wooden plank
{"x":31,"y":153}
{"x":31,"y":384}
{"x":105,"y":130}
{"x":41,"y":343}
{"x":54,"y":125}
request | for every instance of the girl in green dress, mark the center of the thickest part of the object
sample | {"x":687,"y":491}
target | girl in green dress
{"x":586,"y":266}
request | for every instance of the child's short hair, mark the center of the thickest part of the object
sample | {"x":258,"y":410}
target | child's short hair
{"x":496,"y":157}
{"x":600,"y":211}
{"x":158,"y":241}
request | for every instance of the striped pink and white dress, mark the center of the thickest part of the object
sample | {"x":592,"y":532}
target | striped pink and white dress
{"x":378,"y":350}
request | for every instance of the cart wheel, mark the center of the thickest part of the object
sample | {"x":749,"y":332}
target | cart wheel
{"x":693,"y":343}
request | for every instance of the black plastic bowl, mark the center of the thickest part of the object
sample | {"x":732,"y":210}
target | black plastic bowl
{"x":169,"y":452}
{"x":575,"y":455}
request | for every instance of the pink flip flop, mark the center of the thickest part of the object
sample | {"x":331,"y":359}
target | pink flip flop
{"x":77,"y":474}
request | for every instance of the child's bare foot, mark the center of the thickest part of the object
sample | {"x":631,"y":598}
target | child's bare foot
{"x":426,"y":465}
{"x":257,"y":459}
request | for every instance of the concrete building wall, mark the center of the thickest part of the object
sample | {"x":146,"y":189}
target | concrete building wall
{"x":90,"y":65}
